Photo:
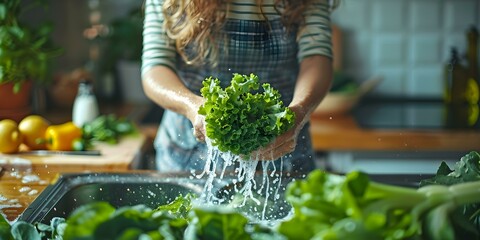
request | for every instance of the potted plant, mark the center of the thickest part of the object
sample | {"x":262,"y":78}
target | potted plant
{"x":25,"y":57}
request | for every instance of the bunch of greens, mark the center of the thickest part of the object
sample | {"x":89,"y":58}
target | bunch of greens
{"x":239,"y":119}
{"x":105,"y":128}
{"x":353,"y":207}
{"x":177,"y":220}
{"x":465,"y":170}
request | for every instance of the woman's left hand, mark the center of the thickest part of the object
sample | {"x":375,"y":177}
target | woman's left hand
{"x":285,"y":143}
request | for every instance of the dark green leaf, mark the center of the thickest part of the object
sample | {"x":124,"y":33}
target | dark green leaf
{"x":85,"y":219}
{"x":24,"y":231}
{"x":220,"y":223}
{"x":5,"y":229}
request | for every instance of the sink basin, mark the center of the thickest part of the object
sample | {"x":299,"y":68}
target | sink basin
{"x":74,"y":190}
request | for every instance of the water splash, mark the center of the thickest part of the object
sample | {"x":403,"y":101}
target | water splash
{"x":261,"y":195}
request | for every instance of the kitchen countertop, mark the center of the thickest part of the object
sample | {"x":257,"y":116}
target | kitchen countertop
{"x":21,"y":184}
{"x":338,"y":133}
{"x":24,"y":176}
{"x":395,"y":126}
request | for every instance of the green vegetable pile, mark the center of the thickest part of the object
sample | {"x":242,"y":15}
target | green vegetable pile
{"x":325,"y":206}
{"x":353,"y":207}
{"x":104,"y":128}
{"x":177,"y":220}
{"x":240,"y":119}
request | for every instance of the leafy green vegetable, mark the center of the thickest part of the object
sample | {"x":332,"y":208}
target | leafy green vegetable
{"x":105,"y":128}
{"x":25,"y":231}
{"x":333,"y":206}
{"x":343,"y":83}
{"x":467,"y":218}
{"x":217,"y":223}
{"x":179,"y":208}
{"x":5,"y":229}
{"x":239,"y":119}
{"x":465,"y":170}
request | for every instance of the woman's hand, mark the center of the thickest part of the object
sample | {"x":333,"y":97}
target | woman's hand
{"x":285,"y":143}
{"x":313,"y":83}
{"x":199,"y":128}
{"x":198,"y":121}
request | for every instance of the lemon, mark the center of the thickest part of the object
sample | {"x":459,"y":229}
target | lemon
{"x":33,"y":129}
{"x":10,"y":136}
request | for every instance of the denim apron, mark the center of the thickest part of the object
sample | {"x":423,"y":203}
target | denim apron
{"x":265,"y":49}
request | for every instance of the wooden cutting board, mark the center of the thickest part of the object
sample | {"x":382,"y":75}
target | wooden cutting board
{"x":121,"y":156}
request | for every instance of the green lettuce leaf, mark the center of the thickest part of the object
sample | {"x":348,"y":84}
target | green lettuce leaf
{"x":241,"y":118}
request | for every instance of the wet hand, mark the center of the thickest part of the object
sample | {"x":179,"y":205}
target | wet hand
{"x":199,"y":128}
{"x":285,"y":143}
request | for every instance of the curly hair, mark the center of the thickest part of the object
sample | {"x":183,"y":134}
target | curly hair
{"x":199,"y":22}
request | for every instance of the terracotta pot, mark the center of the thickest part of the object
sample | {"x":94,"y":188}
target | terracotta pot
{"x":13,"y":105}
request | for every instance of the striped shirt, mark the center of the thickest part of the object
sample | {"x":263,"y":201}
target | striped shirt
{"x":250,"y":45}
{"x":314,"y":38}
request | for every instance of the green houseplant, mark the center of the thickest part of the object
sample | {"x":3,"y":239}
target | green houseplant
{"x":25,"y":52}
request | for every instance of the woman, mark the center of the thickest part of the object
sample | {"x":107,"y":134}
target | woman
{"x":286,"y":43}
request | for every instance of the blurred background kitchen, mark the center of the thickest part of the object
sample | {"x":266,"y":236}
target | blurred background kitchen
{"x":401,"y":123}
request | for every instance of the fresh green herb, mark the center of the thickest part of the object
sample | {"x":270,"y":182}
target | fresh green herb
{"x":105,"y":128}
{"x":239,"y":119}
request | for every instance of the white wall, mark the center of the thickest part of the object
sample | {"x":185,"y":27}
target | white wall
{"x":406,"y":41}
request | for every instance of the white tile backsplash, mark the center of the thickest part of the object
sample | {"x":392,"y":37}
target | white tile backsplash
{"x":426,"y":49}
{"x":388,"y":15}
{"x":460,"y":13}
{"x":393,"y":82}
{"x":425,"y":81}
{"x":389,"y":49}
{"x":422,"y":22}
{"x":357,"y":15}
{"x":406,"y":41}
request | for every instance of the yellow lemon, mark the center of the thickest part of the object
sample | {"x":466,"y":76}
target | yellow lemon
{"x":10,"y":136}
{"x":33,"y":129}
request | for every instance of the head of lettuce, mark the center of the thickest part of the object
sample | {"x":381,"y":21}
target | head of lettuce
{"x":242,"y":118}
